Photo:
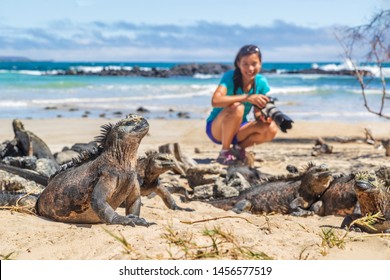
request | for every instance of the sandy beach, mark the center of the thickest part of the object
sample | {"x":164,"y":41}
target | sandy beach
{"x":281,"y":237}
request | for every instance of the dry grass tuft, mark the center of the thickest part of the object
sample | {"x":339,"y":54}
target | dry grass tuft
{"x":214,"y":243}
{"x":128,"y":249}
{"x":6,"y":257}
{"x":331,"y":239}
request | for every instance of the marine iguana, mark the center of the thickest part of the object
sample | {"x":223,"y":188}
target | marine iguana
{"x":91,"y":191}
{"x":31,"y":144}
{"x":341,"y":197}
{"x":338,"y":199}
{"x":18,"y":191}
{"x":149,"y":168}
{"x":286,"y":197}
{"x":373,"y":198}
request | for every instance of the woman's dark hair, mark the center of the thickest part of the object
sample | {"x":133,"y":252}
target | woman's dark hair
{"x":237,"y":77}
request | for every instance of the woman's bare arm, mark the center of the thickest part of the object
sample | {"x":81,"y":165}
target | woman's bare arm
{"x":220,"y":99}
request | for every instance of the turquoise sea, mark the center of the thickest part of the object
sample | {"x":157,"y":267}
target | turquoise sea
{"x":29,"y":90}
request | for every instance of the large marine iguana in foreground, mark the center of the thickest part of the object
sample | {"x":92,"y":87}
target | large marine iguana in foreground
{"x":149,"y":168}
{"x":90,"y":192}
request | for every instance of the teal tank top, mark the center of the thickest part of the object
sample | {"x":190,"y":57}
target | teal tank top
{"x":262,"y":87}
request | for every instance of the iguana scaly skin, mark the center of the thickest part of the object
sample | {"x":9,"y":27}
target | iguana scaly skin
{"x":90,"y":192}
{"x":339,"y":199}
{"x":149,"y":170}
{"x":285,"y":197}
{"x":30,"y":143}
{"x":373,"y":197}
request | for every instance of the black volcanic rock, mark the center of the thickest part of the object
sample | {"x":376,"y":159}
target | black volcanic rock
{"x":343,"y":72}
{"x":142,"y":110}
{"x":178,"y":70}
{"x":192,"y":69}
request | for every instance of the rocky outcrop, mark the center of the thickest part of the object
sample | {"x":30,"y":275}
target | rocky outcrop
{"x":193,"y":69}
{"x":178,"y":70}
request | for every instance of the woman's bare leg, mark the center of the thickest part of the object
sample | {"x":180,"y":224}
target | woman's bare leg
{"x":227,"y":123}
{"x":256,"y":133}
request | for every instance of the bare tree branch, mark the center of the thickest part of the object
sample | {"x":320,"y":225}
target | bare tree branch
{"x":372,"y":39}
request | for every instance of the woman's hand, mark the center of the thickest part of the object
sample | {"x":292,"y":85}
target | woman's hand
{"x":260,"y":117}
{"x":265,"y":120}
{"x":258,"y":100}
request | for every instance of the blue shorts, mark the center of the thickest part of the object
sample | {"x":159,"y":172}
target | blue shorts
{"x":210,"y":135}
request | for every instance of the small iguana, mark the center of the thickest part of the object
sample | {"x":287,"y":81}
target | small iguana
{"x":31,"y":144}
{"x":373,"y":197}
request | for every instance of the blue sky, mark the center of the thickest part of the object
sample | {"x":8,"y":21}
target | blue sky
{"x":174,"y":30}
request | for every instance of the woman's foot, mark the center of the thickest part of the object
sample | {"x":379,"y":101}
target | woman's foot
{"x":226,"y":157}
{"x":239,"y":153}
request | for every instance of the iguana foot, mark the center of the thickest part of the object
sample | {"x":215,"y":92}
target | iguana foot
{"x":348,"y":220}
{"x":131,"y":220}
{"x":242,"y":206}
{"x":183,"y":209}
{"x":302,"y":213}
{"x":139,"y":221}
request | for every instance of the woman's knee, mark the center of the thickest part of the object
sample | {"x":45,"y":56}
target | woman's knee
{"x":272,"y":130}
{"x":236,"y":108}
{"x":267,"y":135}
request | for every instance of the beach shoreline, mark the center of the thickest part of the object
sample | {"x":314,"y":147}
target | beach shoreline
{"x":32,"y":91}
{"x":60,"y":132}
{"x":280,"y":237}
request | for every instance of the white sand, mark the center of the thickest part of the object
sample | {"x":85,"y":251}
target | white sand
{"x":278,"y":236}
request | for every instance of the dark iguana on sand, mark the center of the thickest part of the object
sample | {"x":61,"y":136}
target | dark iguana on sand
{"x":31,"y":144}
{"x":373,"y":197}
{"x":339,"y":199}
{"x":285,"y":197}
{"x":91,"y":191}
{"x":150,"y":167}
{"x":27,"y":150}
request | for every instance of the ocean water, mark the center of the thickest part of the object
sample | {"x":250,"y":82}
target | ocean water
{"x":29,"y":90}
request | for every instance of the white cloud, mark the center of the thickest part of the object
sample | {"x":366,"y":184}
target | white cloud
{"x":313,"y":53}
{"x":203,"y":41}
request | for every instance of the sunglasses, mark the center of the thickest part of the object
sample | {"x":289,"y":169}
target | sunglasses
{"x":250,"y":49}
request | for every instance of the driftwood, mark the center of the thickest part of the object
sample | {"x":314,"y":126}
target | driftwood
{"x":18,"y":191}
{"x":202,"y":175}
{"x":369,"y":137}
{"x":182,"y":162}
{"x":27,"y":174}
{"x":250,"y":159}
{"x":386,"y":145}
{"x":321,"y":147}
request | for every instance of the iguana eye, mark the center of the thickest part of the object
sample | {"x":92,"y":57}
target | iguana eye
{"x":323,"y":167}
{"x":371,"y":179}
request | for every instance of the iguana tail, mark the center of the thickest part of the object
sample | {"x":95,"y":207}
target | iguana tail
{"x":18,"y":199}
{"x":26,"y":174}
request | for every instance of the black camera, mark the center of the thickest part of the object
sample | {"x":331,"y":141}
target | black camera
{"x":283,"y":121}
